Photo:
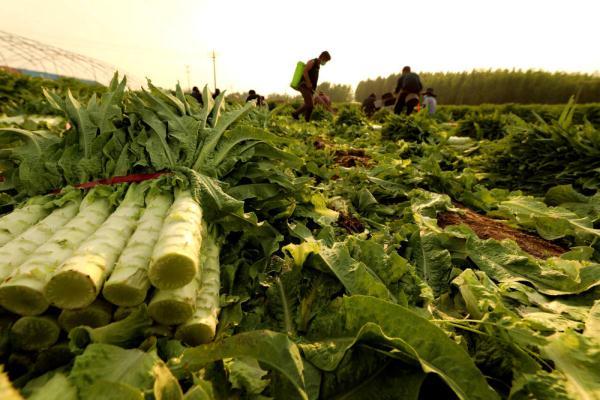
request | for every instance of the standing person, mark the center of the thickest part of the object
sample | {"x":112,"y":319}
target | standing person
{"x":408,"y":89}
{"x":368,"y":105}
{"x":429,"y":101}
{"x":197,"y":95}
{"x":310,"y":79}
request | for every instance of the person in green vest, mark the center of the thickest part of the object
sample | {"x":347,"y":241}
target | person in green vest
{"x":308,"y":85}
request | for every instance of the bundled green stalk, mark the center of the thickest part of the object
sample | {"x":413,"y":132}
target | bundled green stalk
{"x":35,"y":333}
{"x":174,"y":306}
{"x":97,"y":314}
{"x":128,"y":283}
{"x":78,"y":281}
{"x":202,"y":327}
{"x":21,"y":219}
{"x":23,"y":291}
{"x":175,"y":260}
{"x":15,"y":252}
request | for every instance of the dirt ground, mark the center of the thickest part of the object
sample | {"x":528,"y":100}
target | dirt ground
{"x":350,"y":223}
{"x":486,"y":228}
{"x":345,"y":158}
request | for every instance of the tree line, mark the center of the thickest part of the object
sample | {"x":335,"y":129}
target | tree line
{"x":496,"y":86}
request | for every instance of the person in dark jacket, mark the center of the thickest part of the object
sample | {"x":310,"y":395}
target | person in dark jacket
{"x":309,"y":83}
{"x":408,"y":89}
{"x":368,"y":105}
{"x":252,"y":96}
{"x":197,"y":95}
{"x":388,"y":99}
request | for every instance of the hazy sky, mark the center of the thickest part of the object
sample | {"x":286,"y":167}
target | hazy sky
{"x":258,"y":42}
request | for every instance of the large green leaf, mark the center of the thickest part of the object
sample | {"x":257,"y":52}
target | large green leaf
{"x":166,"y":386}
{"x":213,"y":136}
{"x":7,"y":392}
{"x":56,"y":388}
{"x":356,"y":277}
{"x":383,"y":324}
{"x":271,"y":348}
{"x":433,"y":263}
{"x":592,"y":324}
{"x":128,"y":372}
{"x":504,"y":261}
{"x":550,"y":222}
{"x":578,"y":357}
{"x":86,"y":129}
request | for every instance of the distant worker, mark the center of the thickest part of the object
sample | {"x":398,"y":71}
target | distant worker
{"x":408,"y":89}
{"x":429,"y":101}
{"x":388,"y":99}
{"x":216,"y":93}
{"x":252,"y":95}
{"x":310,"y":78}
{"x":368,"y":105}
{"x":262,"y":102}
{"x":324,"y":100}
{"x":197,"y":95}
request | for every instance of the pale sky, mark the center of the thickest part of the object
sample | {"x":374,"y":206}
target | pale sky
{"x":258,"y":42}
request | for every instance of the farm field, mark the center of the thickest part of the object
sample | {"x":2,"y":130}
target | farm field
{"x":240,"y":254}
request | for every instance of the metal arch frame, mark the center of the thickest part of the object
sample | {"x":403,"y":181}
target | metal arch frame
{"x":52,"y":59}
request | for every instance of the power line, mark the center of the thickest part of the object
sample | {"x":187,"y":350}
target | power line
{"x":214,"y":60}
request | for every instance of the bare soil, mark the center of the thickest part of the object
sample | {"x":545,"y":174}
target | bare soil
{"x":350,"y":223}
{"x":347,"y":157}
{"x":352,"y":158}
{"x":487,"y":228}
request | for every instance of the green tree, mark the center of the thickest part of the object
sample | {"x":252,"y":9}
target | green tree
{"x":496,"y":86}
{"x":339,"y":93}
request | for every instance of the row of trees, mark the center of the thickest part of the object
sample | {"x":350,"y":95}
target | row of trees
{"x":496,"y":86}
{"x":338,"y":93}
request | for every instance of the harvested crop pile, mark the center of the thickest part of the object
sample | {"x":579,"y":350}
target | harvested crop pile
{"x":222,"y":252}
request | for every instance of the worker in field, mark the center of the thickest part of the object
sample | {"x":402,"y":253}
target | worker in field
{"x":408,"y":90}
{"x":252,"y":96}
{"x":308,"y":85}
{"x":324,"y":100}
{"x":388,"y":99}
{"x":197,"y":95}
{"x":368,"y":105}
{"x":430,"y":101}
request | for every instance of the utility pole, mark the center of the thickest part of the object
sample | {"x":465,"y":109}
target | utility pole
{"x":214,"y":59}
{"x":187,"y":72}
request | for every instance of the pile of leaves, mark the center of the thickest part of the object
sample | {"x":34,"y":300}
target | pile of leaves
{"x":350,"y":116}
{"x":482,"y":126}
{"x":404,"y":127}
{"x":537,"y":156}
